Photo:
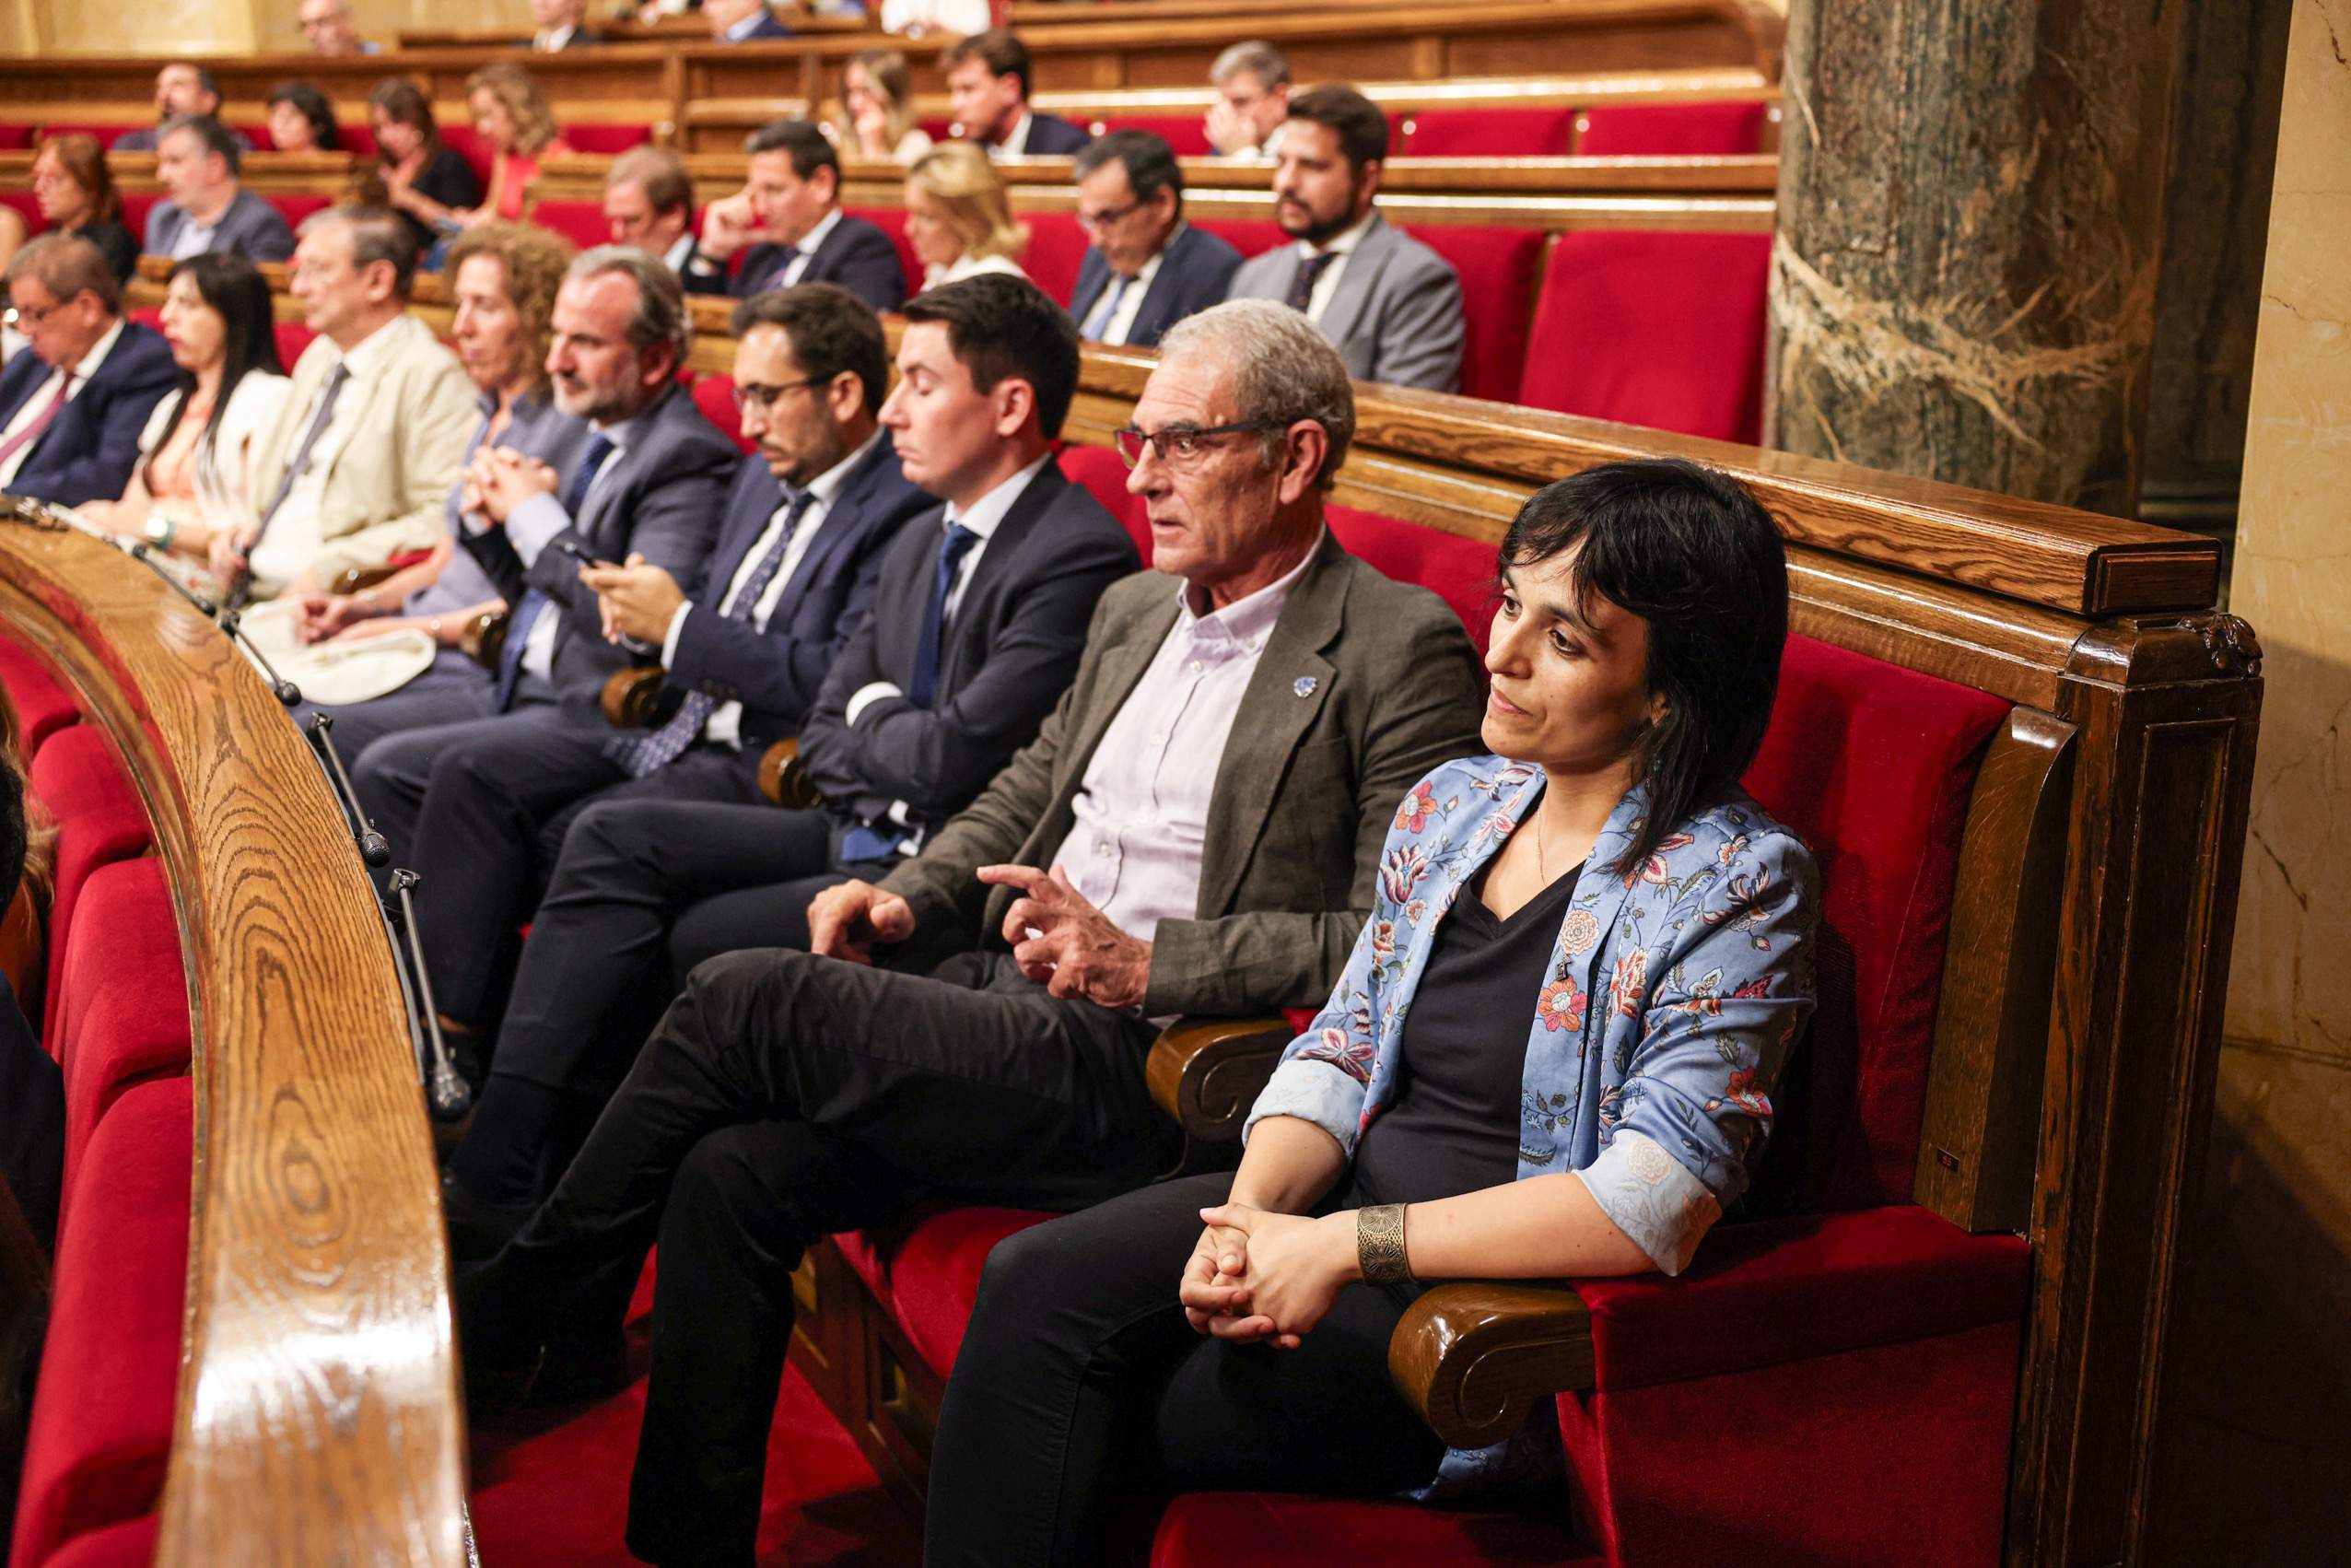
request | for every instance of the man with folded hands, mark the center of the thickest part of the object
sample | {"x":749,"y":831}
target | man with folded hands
{"x":1196,"y":829}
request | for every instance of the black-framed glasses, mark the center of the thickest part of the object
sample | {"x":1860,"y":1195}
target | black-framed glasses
{"x":1180,"y":444}
{"x":1101,"y":221}
{"x":751,"y":396}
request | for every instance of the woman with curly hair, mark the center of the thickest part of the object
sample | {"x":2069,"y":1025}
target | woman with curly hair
{"x":511,"y":116}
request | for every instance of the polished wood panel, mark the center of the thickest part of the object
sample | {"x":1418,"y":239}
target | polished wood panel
{"x":318,"y":1417}
{"x":1472,"y":1359}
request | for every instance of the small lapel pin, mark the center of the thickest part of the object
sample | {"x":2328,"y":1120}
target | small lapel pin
{"x":1305,"y":686}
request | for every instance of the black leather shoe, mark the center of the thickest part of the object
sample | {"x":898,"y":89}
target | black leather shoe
{"x":500,"y":1360}
{"x":479,"y":1229}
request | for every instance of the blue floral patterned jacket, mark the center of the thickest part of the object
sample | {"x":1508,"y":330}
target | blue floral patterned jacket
{"x":1672,"y":1000}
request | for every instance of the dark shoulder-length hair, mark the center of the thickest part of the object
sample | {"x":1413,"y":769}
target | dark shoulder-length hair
{"x":404,"y":104}
{"x":232,"y":286}
{"x":312,"y":105}
{"x":1689,"y":551}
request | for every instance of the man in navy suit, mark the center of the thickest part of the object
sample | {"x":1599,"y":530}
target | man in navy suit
{"x":71,"y":411}
{"x":650,"y":481}
{"x":197,"y":160}
{"x":742,"y":21}
{"x":1147,"y":268}
{"x":987,"y":84}
{"x":789,"y":213}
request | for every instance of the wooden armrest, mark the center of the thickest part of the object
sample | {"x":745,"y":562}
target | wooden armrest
{"x":1473,"y":1358}
{"x":630,"y":695}
{"x":1206,"y":1071}
{"x":356,"y":579}
{"x":484,"y":638}
{"x":784,"y":781}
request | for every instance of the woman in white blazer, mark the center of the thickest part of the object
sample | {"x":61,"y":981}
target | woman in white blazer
{"x":195,"y":474}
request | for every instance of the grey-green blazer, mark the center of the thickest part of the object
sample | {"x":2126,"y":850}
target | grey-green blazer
{"x":1364,"y":685}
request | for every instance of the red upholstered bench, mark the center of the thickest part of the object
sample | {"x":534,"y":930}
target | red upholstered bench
{"x":1104,"y":473}
{"x":468,"y":144}
{"x":293,"y":337}
{"x":101,"y":1421}
{"x":1250,"y":235}
{"x":714,"y":396}
{"x":295,"y":207}
{"x":127,"y":1545}
{"x":606,"y":140}
{"x":27,"y":207}
{"x":1488,"y":133}
{"x":123,"y":996}
{"x":892,"y":221}
{"x":582,"y":223}
{"x":1671,"y":130}
{"x":43,"y":707}
{"x":359,"y":139}
{"x":100,"y":820}
{"x":1057,"y":249}
{"x":1186,"y":133}
{"x":1497,"y":267}
{"x":137,"y":205}
{"x":1660,"y":329}
{"x":257,"y":133}
{"x":15,"y":136}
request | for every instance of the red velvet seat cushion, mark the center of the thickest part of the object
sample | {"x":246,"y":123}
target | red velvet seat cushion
{"x":1260,"y":1530}
{"x":463,"y":140}
{"x":127,"y":1545}
{"x":1458,"y":569}
{"x":122,"y":1002}
{"x":1104,"y":473}
{"x":1488,"y":133}
{"x":1186,"y":134}
{"x":606,"y":139}
{"x":28,"y":207}
{"x":1662,"y":330}
{"x":43,"y":707}
{"x":892,"y":221}
{"x":358,"y":140}
{"x":15,"y":135}
{"x":714,"y":396}
{"x":930,"y":1276}
{"x":98,"y":820}
{"x":1250,"y":235}
{"x":137,"y":205}
{"x":1672,"y":130}
{"x":294,"y":208}
{"x":1874,"y":764}
{"x":582,"y":223}
{"x":292,"y":337}
{"x":1497,"y":268}
{"x":101,"y":1421}
{"x":257,"y":133}
{"x":1057,"y":249}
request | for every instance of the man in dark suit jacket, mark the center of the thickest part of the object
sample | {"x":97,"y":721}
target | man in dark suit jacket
{"x":742,"y":21}
{"x":987,"y":85}
{"x":789,"y":215}
{"x":197,"y":160}
{"x":562,"y":24}
{"x":1147,"y":268}
{"x":746,"y":647}
{"x":71,"y":411}
{"x":1210,"y":797}
{"x":651,"y":481}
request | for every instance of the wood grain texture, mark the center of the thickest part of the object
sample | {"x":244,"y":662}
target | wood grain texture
{"x":1473,"y":1358}
{"x":1206,"y":1072}
{"x":318,"y":1417}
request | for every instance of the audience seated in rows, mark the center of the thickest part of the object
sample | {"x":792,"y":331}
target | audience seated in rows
{"x":767,"y":1110}
{"x":193,"y":481}
{"x":32,"y":1133}
{"x":71,"y":409}
{"x":1634,"y":656}
{"x":425,"y":181}
{"x":301,"y":120}
{"x":182,"y":91}
{"x":327,"y":28}
{"x":788,"y":227}
{"x":562,"y":24}
{"x":503,"y":281}
{"x":1147,"y":268}
{"x":1392,"y":305}
{"x":196,"y":161}
{"x":875,"y":120}
{"x":959,"y":218}
{"x":1252,"y":82}
{"x":649,"y":203}
{"x":517,"y":128}
{"x":75,"y":190}
{"x":742,"y":21}
{"x":352,"y":475}
{"x":987,"y":83}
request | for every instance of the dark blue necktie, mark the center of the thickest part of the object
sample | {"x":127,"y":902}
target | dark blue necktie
{"x":784,"y":256}
{"x":952,"y":550}
{"x":534,"y":603}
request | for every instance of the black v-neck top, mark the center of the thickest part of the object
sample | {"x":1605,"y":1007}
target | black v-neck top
{"x":1451,"y":1126}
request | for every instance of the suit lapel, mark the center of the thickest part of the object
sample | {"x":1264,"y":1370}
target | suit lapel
{"x":845,"y":521}
{"x":1003,"y":546}
{"x":20,"y":383}
{"x":1093,"y":278}
{"x":1355,"y":281}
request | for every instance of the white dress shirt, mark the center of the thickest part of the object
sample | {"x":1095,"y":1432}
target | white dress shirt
{"x":680,"y":252}
{"x":724,"y":727}
{"x":964,"y":16}
{"x":292,"y":541}
{"x":550,"y":40}
{"x":534,"y":525}
{"x":30,"y":410}
{"x":1342,"y":245}
{"x":1141,"y":809}
{"x":1130,"y":303}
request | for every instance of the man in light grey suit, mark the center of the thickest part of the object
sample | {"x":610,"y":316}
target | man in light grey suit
{"x":196,"y":158}
{"x":1392,"y":305}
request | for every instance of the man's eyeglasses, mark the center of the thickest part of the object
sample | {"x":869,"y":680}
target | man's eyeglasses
{"x":1098,"y":221}
{"x":1180,"y":445}
{"x":751,"y":397}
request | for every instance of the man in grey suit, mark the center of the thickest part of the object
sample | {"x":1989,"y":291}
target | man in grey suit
{"x":196,"y":160}
{"x":1196,"y":829}
{"x":1391,"y":304}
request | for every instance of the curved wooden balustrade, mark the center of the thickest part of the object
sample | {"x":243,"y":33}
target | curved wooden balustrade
{"x":318,"y":1417}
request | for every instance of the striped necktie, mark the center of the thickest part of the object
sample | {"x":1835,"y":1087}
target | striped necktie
{"x":48,"y":416}
{"x":534,"y":603}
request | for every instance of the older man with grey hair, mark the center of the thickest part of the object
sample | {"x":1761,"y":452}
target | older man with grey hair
{"x":1195,"y":830}
{"x":1252,"y":82}
{"x":648,"y":485}
{"x":327,"y":28}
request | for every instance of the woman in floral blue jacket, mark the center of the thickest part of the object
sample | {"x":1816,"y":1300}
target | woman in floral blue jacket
{"x":1552,"y":1055}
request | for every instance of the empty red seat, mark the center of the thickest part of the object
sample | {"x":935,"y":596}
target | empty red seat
{"x":1186,"y":134}
{"x":292,"y":337}
{"x":1104,"y":473}
{"x":1488,"y":133}
{"x":100,"y":820}
{"x":15,"y":136}
{"x":137,"y":204}
{"x":582,"y":223}
{"x":123,"y":996}
{"x":1672,"y":130}
{"x":1661,"y":329}
{"x":43,"y":705}
{"x":1057,"y":248}
{"x":930,"y":1277}
{"x":295,"y":206}
{"x":892,"y":221}
{"x":606,"y":139}
{"x":102,"y":1420}
{"x":1497,"y":267}
{"x":359,"y":139}
{"x":714,"y":396}
{"x":1460,"y":569}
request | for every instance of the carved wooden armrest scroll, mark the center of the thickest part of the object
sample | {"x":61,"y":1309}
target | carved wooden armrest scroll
{"x":785,"y":782}
{"x":484,"y":638}
{"x":631,"y":695}
{"x":1206,"y":1071}
{"x":1473,"y":1358}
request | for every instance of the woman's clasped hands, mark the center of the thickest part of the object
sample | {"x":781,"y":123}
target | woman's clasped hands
{"x":1256,"y":1275}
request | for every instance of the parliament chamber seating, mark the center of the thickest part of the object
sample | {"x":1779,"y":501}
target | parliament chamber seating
{"x":1670,"y":130}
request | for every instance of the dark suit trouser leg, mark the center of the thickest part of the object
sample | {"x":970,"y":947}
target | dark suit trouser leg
{"x":390,"y":773}
{"x":1078,"y":1379}
{"x":768,"y":914}
{"x":452,"y":690}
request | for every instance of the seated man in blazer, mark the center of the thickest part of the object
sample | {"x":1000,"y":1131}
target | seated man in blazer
{"x":1147,"y":268}
{"x":562,"y":24}
{"x":1391,"y":304}
{"x":746,"y":645}
{"x":649,"y":484}
{"x":196,"y":160}
{"x":354,"y":472}
{"x":987,"y":86}
{"x":182,"y":88}
{"x":742,"y":21}
{"x":789,"y":213}
{"x":72,"y":409}
{"x":1197,"y":829}
{"x":938,"y":712}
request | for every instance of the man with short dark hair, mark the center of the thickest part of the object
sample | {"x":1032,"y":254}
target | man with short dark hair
{"x":1252,"y":82}
{"x":648,"y":202}
{"x":182,"y":91}
{"x":1147,"y":268}
{"x":1196,"y":829}
{"x":71,"y":410}
{"x":789,"y":215}
{"x":197,"y":160}
{"x":987,"y":83}
{"x":1392,"y":305}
